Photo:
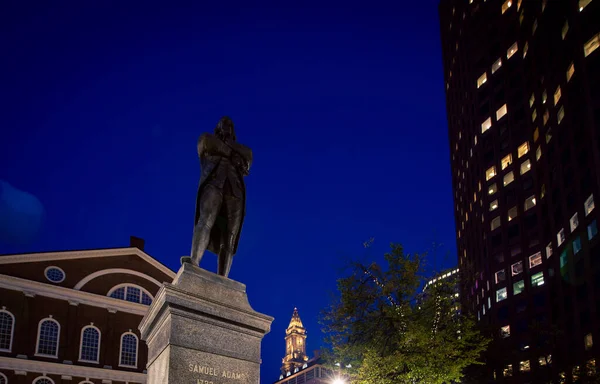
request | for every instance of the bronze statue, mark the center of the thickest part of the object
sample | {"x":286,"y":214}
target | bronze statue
{"x":221,"y":199}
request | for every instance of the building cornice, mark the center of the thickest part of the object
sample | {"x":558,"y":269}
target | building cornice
{"x":22,"y":365}
{"x":85,"y":254}
{"x":71,"y":295}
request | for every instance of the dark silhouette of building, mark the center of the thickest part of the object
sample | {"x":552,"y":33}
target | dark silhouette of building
{"x":522,"y":82}
{"x":72,"y":317}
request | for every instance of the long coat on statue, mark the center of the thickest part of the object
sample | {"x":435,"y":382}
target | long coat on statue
{"x":211,"y":151}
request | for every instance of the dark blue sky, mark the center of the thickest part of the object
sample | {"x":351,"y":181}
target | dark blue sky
{"x":343,"y":105}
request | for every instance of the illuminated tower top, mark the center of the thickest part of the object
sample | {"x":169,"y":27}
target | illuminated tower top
{"x":295,"y":345}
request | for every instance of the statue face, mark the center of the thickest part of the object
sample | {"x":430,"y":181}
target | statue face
{"x":224,"y":129}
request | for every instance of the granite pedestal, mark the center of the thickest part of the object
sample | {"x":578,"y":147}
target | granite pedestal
{"x":201,"y":330}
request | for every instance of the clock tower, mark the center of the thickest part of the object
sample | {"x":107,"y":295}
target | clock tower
{"x":295,"y":345}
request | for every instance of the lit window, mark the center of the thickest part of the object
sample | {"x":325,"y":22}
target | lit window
{"x":491,"y":172}
{"x":495,"y":223}
{"x":557,"y":95}
{"x":506,"y":5}
{"x":512,"y":213}
{"x":542,"y":361}
{"x":588,"y":341}
{"x":525,"y":49}
{"x":532,"y":100}
{"x":565,"y":29}
{"x":501,"y":295}
{"x":534,"y":28}
{"x":7,"y":327}
{"x":536,"y":134}
{"x":48,"y":338}
{"x":548,"y":135}
{"x":560,"y":114}
{"x":524,"y":366}
{"x":523,"y":149}
{"x":533,"y":115}
{"x":482,"y":79}
{"x":576,"y":245}
{"x":516,"y":268}
{"x":501,"y":112}
{"x":493,"y":205}
{"x":486,"y":125}
{"x":500,"y":276}
{"x":588,"y":206}
{"x":544,"y":2}
{"x":525,"y":166}
{"x":519,"y":4}
{"x":538,"y":153}
{"x":128,"y":354}
{"x":131,"y":293}
{"x":548,"y":250}
{"x":508,"y":178}
{"x":492,"y":189}
{"x":89,"y":350}
{"x":512,"y":50}
{"x":546,"y":116}
{"x":535,"y":260}
{"x":518,"y":287}
{"x":560,"y":237}
{"x":529,"y":203}
{"x":496,"y":66}
{"x":583,"y":4}
{"x":506,"y":161}
{"x":563,"y":258}
{"x":537,"y":279}
{"x":574,"y":222}
{"x":544,"y":97}
{"x":570,"y":72}
{"x":505,"y":331}
{"x":507,"y":371}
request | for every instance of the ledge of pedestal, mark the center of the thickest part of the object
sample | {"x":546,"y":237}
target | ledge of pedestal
{"x":206,"y":315}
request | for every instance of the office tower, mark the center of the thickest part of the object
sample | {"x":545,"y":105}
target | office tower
{"x":522,"y":82}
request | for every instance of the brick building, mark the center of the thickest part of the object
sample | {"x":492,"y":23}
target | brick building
{"x":72,"y":317}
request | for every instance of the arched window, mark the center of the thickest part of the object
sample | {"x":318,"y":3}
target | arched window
{"x":43,"y":380}
{"x":89,"y":350}
{"x":128,"y":354}
{"x":86,"y":382}
{"x":132,"y":293}
{"x":7,"y":329}
{"x":48,"y":338}
{"x":3,"y":379}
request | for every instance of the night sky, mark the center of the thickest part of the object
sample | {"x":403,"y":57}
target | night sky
{"x":102,"y":102}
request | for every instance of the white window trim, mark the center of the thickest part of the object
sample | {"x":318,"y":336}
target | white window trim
{"x":60,"y":269}
{"x":109,"y":271}
{"x":81,"y":344}
{"x":534,"y":255}
{"x":42,"y":377}
{"x":37,"y":342}
{"x":12,"y":331}
{"x":137,"y":342}
{"x":4,"y":376}
{"x":110,"y":292}
{"x":85,"y":382}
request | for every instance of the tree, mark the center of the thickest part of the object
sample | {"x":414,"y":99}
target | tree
{"x":381,"y":328}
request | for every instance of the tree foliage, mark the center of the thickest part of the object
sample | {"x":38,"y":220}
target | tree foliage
{"x":382,"y":329}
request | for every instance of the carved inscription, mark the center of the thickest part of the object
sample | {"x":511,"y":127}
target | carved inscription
{"x":211,"y":371}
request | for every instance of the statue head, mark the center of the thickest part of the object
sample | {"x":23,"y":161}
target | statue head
{"x":224,"y":129}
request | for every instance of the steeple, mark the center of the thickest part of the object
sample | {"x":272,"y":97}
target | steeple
{"x":295,"y":345}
